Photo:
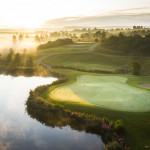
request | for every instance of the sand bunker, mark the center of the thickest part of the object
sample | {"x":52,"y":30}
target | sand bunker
{"x":145,"y":85}
{"x":64,"y":94}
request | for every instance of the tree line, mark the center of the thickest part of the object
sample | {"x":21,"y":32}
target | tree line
{"x":18,"y":59}
{"x":128,"y":44}
{"x":56,"y":43}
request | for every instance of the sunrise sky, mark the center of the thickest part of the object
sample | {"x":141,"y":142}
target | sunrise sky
{"x":32,"y":13}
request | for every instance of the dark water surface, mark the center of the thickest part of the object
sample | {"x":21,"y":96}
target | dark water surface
{"x":20,"y":132}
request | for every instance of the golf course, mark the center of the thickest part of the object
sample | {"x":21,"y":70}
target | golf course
{"x":75,"y":75}
{"x":111,"y":92}
{"x":114,"y":95}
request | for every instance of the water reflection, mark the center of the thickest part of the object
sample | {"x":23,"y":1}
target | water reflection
{"x":20,"y":132}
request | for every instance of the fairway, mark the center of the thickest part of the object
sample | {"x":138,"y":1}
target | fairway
{"x":75,"y":47}
{"x":110,"y":92}
{"x":93,"y":61}
{"x":87,"y":61}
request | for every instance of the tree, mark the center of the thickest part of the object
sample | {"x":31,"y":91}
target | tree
{"x":136,"y":68}
{"x":14,"y":39}
{"x":17,"y":59}
{"x":30,"y":62}
{"x":121,"y":35}
{"x":100,"y":34}
{"x":20,"y":37}
{"x":56,"y":43}
{"x":74,"y":36}
{"x":96,"y":40}
{"x":85,"y":35}
{"x":37,"y":38}
{"x":103,"y":34}
{"x":46,"y":35}
{"x":41,"y":36}
{"x":128,"y":44}
{"x":10,"y":56}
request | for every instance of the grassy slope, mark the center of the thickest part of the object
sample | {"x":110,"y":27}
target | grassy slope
{"x":137,"y":124}
{"x":87,"y":61}
{"x":94,"y":61}
{"x":143,"y":60}
{"x":67,"y":48}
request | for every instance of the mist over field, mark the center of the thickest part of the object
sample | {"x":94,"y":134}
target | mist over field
{"x":19,"y":46}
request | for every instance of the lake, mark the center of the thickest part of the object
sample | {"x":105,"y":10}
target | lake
{"x":18,"y":131}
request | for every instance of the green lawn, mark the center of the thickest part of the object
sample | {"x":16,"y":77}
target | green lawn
{"x":111,"y":92}
{"x":87,"y":61}
{"x":75,"y":47}
{"x":94,"y":61}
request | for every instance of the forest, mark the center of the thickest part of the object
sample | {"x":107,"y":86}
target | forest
{"x":136,"y":44}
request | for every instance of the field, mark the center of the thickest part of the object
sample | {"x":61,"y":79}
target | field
{"x":66,"y":48}
{"x":87,"y":92}
{"x":95,"y":61}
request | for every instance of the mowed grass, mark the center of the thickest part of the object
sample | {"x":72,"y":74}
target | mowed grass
{"x":96,"y":61}
{"x":111,"y":92}
{"x":75,"y":47}
{"x":87,"y":61}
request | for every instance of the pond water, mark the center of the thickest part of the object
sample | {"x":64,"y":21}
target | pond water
{"x":20,"y":132}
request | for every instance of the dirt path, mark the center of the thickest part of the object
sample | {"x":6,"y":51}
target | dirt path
{"x":45,"y":65}
{"x":92,"y":48}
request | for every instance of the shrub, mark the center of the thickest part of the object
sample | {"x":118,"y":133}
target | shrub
{"x":113,"y":146}
{"x":119,"y":127}
{"x":56,"y":43}
{"x":136,"y":68}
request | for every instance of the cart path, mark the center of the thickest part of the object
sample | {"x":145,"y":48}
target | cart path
{"x":50,"y":55}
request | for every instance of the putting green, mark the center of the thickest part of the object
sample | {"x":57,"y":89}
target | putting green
{"x":110,"y":92}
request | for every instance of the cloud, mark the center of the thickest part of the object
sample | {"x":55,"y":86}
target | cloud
{"x":136,"y":11}
{"x":116,"y":18}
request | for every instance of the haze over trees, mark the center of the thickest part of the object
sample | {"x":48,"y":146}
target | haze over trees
{"x":100,"y":34}
{"x":19,"y":59}
{"x":14,"y":39}
{"x":20,"y":37}
{"x":37,"y":38}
